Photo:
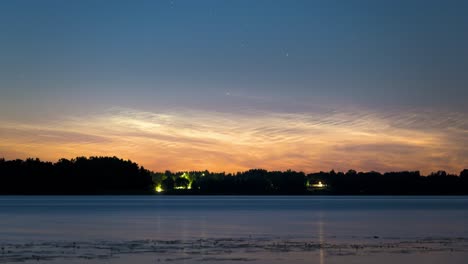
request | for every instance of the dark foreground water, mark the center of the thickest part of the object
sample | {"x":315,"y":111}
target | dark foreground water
{"x":233,"y":229}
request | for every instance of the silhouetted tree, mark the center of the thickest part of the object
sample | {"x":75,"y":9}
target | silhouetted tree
{"x":101,"y":175}
{"x":77,"y":176}
{"x":464,"y":174}
{"x":181,"y":182}
{"x":168,"y":184}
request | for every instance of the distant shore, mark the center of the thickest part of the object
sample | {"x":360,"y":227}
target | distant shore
{"x":114,"y":176}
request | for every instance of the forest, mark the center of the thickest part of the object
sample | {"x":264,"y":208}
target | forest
{"x":112,"y":175}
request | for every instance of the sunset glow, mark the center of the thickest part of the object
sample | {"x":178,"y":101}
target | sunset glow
{"x":198,"y":140}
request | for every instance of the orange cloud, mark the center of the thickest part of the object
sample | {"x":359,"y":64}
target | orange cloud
{"x":197,"y":140}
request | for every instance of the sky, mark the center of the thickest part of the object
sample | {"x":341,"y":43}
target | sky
{"x":233,"y":85}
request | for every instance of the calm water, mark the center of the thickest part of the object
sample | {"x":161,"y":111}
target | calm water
{"x":331,"y":219}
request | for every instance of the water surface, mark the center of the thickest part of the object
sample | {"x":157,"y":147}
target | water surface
{"x":309,"y":229}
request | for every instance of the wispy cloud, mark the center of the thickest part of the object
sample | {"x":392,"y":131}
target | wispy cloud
{"x":191,"y":139}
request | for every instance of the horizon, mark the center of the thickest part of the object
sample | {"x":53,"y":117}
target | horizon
{"x":236,"y":172}
{"x":182,"y":85}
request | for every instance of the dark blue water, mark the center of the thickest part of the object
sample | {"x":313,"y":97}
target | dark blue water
{"x":37,"y":218}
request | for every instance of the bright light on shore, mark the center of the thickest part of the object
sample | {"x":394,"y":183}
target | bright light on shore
{"x":319,"y":185}
{"x":158,"y":189}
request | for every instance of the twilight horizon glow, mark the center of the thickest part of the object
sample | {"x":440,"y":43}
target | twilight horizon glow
{"x":234,"y":85}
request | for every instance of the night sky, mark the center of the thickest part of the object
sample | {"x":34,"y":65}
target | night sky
{"x":234,"y":85}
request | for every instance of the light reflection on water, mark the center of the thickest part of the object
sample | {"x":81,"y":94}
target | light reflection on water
{"x":321,"y":236}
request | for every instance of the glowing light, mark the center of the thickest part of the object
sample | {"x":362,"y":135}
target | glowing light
{"x":187,"y":176}
{"x":319,"y":185}
{"x":158,"y":189}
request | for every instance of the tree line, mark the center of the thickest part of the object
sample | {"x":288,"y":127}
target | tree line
{"x":111,"y":175}
{"x":94,"y":175}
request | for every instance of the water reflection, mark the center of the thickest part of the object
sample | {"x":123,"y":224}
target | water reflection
{"x":166,"y":218}
{"x":321,"y":235}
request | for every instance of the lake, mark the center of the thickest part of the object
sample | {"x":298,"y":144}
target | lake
{"x":233,"y":229}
